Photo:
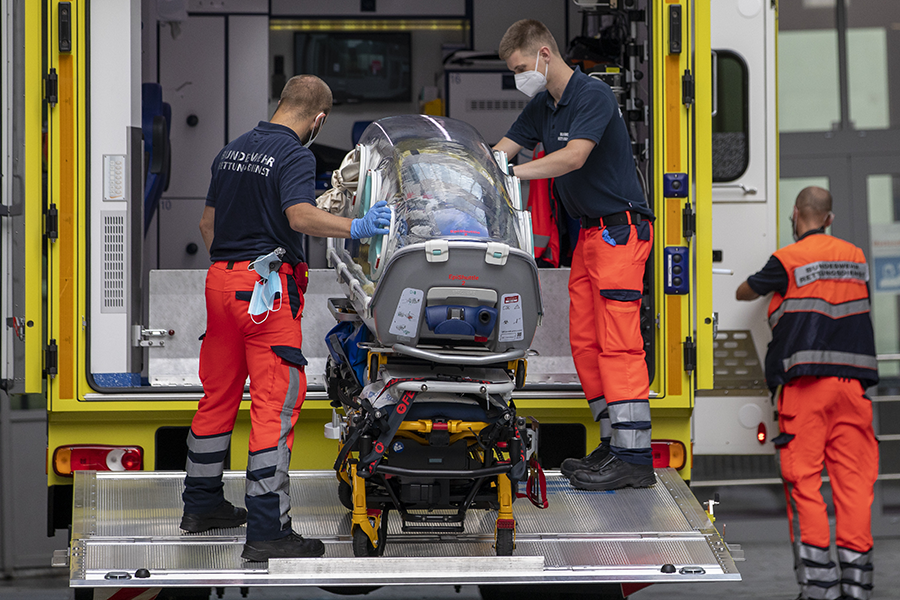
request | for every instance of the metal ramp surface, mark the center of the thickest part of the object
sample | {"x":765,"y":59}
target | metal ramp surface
{"x":123,"y":522}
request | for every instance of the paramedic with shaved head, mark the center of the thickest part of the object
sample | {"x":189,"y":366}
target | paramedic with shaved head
{"x":588,"y":152}
{"x":261,"y":198}
{"x":820,"y":362}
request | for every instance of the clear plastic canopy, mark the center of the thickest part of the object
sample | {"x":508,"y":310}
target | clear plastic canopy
{"x":441,"y":180}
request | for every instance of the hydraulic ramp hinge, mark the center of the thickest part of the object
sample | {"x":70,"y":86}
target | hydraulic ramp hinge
{"x":51,"y":88}
{"x":687,"y":88}
{"x":52,"y":223}
{"x":690,"y":354}
{"x":688,"y":221}
{"x":50,"y":358}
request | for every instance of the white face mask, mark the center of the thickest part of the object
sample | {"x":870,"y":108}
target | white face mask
{"x":532,"y":82}
{"x":315,"y":131}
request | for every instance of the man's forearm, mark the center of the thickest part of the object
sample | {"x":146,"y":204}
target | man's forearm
{"x":745,"y":292}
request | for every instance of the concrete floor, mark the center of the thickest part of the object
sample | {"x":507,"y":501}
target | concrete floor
{"x":767,"y":573}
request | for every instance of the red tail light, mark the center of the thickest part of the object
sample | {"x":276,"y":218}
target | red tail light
{"x":68,"y":459}
{"x":668,"y":453}
{"x":761,"y":433}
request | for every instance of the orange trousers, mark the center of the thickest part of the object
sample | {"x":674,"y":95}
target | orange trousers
{"x":831,"y":421}
{"x":268,"y":349}
{"x":605,"y":289}
{"x":828,"y":421}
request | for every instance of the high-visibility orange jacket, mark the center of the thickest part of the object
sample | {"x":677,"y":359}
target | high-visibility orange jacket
{"x":822,"y":326}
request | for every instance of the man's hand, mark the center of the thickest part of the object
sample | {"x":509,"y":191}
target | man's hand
{"x":745,"y":292}
{"x":376,"y":222}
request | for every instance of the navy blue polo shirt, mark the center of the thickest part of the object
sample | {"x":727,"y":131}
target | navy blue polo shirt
{"x":255,"y":179}
{"x":607,"y":183}
{"x":773,"y":277}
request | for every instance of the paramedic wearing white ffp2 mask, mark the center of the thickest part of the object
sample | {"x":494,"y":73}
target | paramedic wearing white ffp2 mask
{"x":261,"y":198}
{"x":577,"y":119}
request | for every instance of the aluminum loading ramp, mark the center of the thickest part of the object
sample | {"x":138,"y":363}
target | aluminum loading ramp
{"x":125,"y":522}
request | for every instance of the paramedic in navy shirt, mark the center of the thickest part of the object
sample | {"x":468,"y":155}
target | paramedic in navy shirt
{"x":261,"y":198}
{"x":588,"y":152}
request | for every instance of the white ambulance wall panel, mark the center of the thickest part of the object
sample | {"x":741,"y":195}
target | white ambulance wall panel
{"x":192,"y":75}
{"x":248,"y":59}
{"x":743,"y":252}
{"x":740,"y":26}
{"x":115,"y":106}
{"x":479,"y":99}
{"x":744,"y":225}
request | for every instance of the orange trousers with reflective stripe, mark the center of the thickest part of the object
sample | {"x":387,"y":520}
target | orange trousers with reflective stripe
{"x":235,"y":346}
{"x":605,"y":332}
{"x":831,"y":421}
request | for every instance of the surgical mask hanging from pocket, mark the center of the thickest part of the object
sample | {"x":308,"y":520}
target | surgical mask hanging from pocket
{"x":269,"y":285}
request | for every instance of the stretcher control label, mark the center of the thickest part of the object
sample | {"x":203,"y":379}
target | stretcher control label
{"x":406,"y":318}
{"x":512,"y":328}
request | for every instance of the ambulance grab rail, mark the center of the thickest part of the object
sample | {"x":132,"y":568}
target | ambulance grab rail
{"x":347,"y":277}
{"x":458,"y":359}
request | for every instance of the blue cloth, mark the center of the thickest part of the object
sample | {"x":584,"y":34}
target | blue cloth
{"x":255,"y":179}
{"x":349,"y":335}
{"x":607,"y":183}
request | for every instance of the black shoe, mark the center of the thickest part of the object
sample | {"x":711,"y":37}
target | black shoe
{"x":613,"y":475}
{"x":597,"y":457}
{"x":293,"y":545}
{"x":225,"y":515}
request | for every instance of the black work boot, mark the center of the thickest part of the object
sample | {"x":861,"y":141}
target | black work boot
{"x":597,"y":457}
{"x":293,"y":545}
{"x":225,"y":515}
{"x":613,"y":475}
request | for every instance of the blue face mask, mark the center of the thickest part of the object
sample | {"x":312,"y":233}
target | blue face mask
{"x":263,"y":298}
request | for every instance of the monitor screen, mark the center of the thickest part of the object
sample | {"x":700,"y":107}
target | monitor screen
{"x":358,"y":66}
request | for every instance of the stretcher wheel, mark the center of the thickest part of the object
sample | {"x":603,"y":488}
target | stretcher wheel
{"x":504,"y":544}
{"x":345,"y":494}
{"x":362,"y":545}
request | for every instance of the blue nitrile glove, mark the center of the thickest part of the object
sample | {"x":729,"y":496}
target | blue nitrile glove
{"x":376,"y":222}
{"x":608,"y":238}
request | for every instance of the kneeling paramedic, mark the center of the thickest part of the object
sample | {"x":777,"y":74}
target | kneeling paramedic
{"x":588,"y":150}
{"x":261,"y":197}
{"x":820,"y":360}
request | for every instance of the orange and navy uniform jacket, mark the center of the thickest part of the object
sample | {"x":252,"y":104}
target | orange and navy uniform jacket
{"x":820,"y":322}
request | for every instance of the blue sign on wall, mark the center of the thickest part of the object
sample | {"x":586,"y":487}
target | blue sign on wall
{"x":887,"y":274}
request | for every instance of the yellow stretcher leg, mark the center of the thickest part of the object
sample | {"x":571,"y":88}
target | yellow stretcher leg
{"x":361,"y":518}
{"x":505,"y":520}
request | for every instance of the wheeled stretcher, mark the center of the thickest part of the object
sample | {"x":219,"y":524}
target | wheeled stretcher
{"x":432,"y":336}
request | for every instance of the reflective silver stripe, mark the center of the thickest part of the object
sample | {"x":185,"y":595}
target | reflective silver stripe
{"x":830,"y":357}
{"x":195,"y":469}
{"x":605,"y":428}
{"x":824,"y":269}
{"x":857,"y":576}
{"x":598,"y":407}
{"x":206,"y":445}
{"x":629,"y":412}
{"x":279,"y":483}
{"x":813,"y":554}
{"x":823,"y":574}
{"x":814,"y":592}
{"x":817,"y":305}
{"x":264,"y":460}
{"x":854,"y":591}
{"x":852,"y":557}
{"x":632,"y":439}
